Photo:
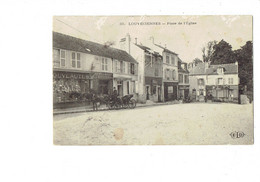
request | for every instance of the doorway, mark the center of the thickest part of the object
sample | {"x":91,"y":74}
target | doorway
{"x":147,"y":92}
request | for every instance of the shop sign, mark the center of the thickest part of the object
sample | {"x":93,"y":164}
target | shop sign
{"x":70,"y":75}
{"x":103,"y":76}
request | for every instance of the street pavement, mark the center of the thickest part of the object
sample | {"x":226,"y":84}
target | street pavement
{"x":175,"y":124}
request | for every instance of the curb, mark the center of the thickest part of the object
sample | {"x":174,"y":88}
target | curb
{"x":104,"y":109}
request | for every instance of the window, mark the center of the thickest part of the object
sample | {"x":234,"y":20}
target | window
{"x":78,"y":60}
{"x":132,"y":69}
{"x":230,"y":81}
{"x":62,"y":57}
{"x":172,"y":60}
{"x":167,"y":74}
{"x":173,"y":74}
{"x":104,"y":64}
{"x":201,"y":81}
{"x":56,"y":58}
{"x":156,"y":71}
{"x":186,"y":77}
{"x":123,"y":68}
{"x":75,"y":58}
{"x":167,"y":59}
{"x":180,"y":78}
{"x":220,"y":81}
{"x":220,"y":70}
{"x":59,"y":58}
{"x":128,"y":68}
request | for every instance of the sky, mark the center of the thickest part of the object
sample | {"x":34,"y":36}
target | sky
{"x":185,"y":35}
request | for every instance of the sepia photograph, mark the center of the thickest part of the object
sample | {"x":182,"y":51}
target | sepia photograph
{"x":153,"y":80}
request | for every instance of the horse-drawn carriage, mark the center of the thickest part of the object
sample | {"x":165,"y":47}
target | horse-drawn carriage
{"x":110,"y":101}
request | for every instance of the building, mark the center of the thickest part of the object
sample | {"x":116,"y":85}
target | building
{"x":149,"y":69}
{"x":80,"y":66}
{"x":184,"y":86}
{"x":220,"y":81}
{"x":170,"y":72}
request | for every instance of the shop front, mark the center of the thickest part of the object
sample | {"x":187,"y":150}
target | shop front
{"x":170,"y":91}
{"x":68,"y":87}
{"x":103,"y":83}
{"x":125,"y":84}
{"x":183,"y":91}
{"x":153,"y":89}
{"x":223,"y":93}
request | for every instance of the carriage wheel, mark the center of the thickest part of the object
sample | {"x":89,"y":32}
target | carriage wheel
{"x":132,"y":103}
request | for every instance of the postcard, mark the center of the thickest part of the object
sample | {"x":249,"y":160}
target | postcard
{"x":153,"y":80}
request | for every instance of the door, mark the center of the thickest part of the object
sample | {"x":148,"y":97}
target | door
{"x":174,"y":97}
{"x":166,"y":93}
{"x":147,"y":92}
{"x":120,"y":90}
{"x":186,"y":93}
{"x":159,"y":93}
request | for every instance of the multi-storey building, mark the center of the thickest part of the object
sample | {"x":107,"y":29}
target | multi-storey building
{"x":149,"y":69}
{"x":220,"y":81}
{"x":170,"y":72}
{"x":184,"y":85}
{"x":80,"y":66}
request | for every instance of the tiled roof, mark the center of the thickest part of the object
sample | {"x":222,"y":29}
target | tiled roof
{"x":67,"y":42}
{"x":165,"y":49}
{"x":200,"y":69}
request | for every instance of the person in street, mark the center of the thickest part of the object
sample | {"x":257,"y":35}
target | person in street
{"x":114,"y":95}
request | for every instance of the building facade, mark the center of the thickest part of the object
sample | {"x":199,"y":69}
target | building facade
{"x":81,"y":66}
{"x":219,"y":81}
{"x":184,"y":85}
{"x":170,"y":73}
{"x":149,"y":70}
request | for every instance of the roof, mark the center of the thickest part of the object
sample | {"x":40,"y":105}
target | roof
{"x":67,"y":42}
{"x":200,"y":69}
{"x":147,"y":49}
{"x":165,"y":49}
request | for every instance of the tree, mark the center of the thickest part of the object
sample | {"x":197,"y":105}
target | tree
{"x":222,"y":53}
{"x":208,"y":51}
{"x":196,"y":61}
{"x":244,"y":56}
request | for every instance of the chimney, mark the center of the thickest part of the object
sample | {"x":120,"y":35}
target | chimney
{"x":125,"y":43}
{"x":165,"y":46}
{"x":128,"y":40}
{"x":206,"y":65}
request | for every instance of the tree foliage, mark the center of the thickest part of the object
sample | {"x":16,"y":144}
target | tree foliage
{"x":208,"y":51}
{"x":244,"y":56}
{"x":222,"y":53}
{"x":196,"y":61}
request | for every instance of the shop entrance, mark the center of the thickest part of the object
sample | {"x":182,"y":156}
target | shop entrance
{"x":120,"y":88}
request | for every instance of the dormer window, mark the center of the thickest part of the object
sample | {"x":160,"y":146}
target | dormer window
{"x":220,"y":70}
